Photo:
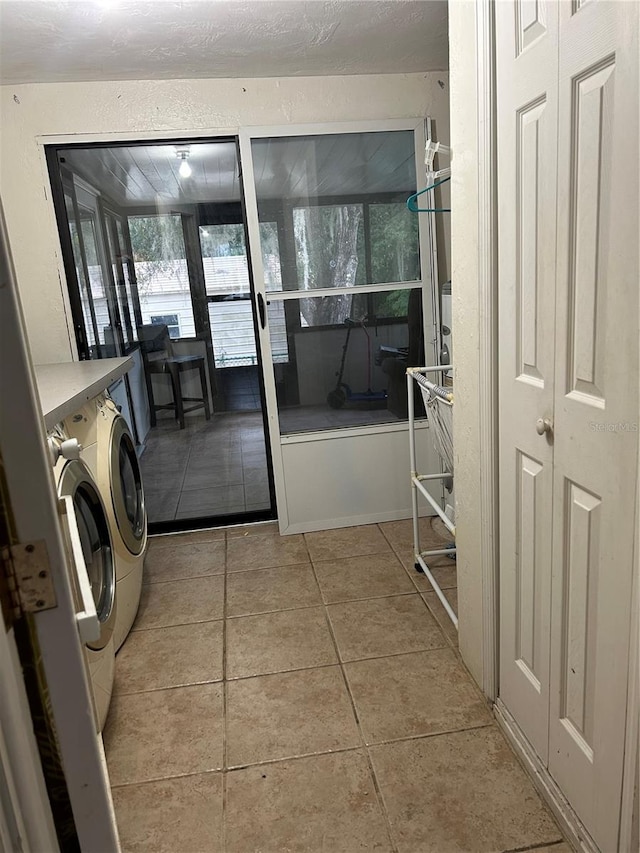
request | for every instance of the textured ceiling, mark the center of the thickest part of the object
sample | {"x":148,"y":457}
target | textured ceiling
{"x":82,"y":40}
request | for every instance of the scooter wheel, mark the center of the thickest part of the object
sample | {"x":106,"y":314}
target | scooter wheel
{"x":336,"y":398}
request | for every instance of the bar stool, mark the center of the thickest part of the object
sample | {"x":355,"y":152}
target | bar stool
{"x":158,"y":358}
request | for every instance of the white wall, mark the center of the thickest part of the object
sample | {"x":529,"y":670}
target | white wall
{"x":465,"y":323}
{"x":133,"y":109}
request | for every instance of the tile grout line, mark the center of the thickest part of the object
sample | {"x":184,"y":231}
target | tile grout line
{"x":301,"y":756}
{"x":227,"y":679}
{"x":455,"y":647}
{"x":188,"y":578}
{"x":423,"y":592}
{"x":321,"y":603}
{"x":532,"y":848}
{"x":363,"y":746}
{"x":184,"y":476}
{"x":174,"y":624}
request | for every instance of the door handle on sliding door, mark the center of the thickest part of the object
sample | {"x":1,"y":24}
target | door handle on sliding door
{"x":262,"y":311}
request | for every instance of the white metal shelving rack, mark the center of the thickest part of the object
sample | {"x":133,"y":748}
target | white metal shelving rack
{"x":441,"y":397}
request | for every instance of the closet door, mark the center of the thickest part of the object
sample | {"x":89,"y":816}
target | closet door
{"x":527,"y":79}
{"x":596,"y":406}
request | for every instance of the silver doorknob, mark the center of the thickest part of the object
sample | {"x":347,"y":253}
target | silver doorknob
{"x":544,"y":425}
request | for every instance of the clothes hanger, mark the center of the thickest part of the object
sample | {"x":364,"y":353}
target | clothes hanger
{"x":411,"y":201}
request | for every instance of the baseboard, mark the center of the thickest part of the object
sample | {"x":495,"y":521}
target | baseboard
{"x":354,"y":521}
{"x":570,"y":824}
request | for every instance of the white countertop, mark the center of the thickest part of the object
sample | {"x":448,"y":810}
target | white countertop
{"x":64,"y":388}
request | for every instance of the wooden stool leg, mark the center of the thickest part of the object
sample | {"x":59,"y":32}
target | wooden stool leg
{"x":205,"y":391}
{"x":152,"y":402}
{"x":174,"y":371}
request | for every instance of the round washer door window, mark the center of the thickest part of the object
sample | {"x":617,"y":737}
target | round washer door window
{"x":98,"y":555}
{"x":126,"y":488}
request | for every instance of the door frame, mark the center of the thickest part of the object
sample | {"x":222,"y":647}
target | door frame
{"x":29,"y":479}
{"x":488,"y":344}
{"x":488,"y":470}
{"x":54,"y":178}
{"x":25,"y":815}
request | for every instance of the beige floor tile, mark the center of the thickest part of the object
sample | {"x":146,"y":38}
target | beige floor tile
{"x":183,"y":814}
{"x":164,"y":733}
{"x":265,"y":551}
{"x":384,"y":626}
{"x":361,"y":577}
{"x":400,"y":533}
{"x":241,"y":531}
{"x":322,"y":804}
{"x":289,"y":714}
{"x":193,"y":537}
{"x":265,"y":590}
{"x":185,"y":561}
{"x":441,"y":616}
{"x":415,"y":694}
{"x":346,"y":542}
{"x":170,"y":657}
{"x":180,"y":602}
{"x":275,"y":642}
{"x":460,"y":792}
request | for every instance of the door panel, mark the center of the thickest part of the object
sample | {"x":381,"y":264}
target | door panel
{"x":582,"y":530}
{"x":532,"y":485}
{"x":353,"y":289}
{"x":527,"y":115}
{"x":596,"y":407}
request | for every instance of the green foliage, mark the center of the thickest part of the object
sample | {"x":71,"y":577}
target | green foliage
{"x":330,"y":252}
{"x":158,"y":247}
{"x":220,"y":241}
{"x":157,"y":238}
{"x":394,"y":243}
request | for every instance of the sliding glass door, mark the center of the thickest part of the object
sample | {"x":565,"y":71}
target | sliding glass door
{"x":273,"y":290}
{"x":351,"y":307}
{"x":154,"y":240}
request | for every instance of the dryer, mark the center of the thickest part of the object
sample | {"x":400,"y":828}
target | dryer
{"x":89,"y":540}
{"x":110,"y":454}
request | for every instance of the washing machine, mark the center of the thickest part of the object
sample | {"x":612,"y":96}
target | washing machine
{"x":90,"y":543}
{"x":110,"y":454}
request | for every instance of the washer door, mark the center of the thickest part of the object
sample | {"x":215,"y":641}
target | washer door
{"x":126,"y":487}
{"x":95,"y":539}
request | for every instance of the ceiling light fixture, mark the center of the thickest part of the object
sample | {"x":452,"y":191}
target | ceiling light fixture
{"x":183,"y":155}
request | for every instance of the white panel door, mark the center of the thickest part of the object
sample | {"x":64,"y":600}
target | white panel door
{"x":596,"y":406}
{"x":567,"y":81}
{"x":527,"y":71}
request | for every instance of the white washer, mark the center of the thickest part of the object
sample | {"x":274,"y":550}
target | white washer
{"x":110,"y":454}
{"x":73,"y":479}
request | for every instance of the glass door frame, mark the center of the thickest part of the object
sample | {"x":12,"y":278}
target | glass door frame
{"x":427,"y":282}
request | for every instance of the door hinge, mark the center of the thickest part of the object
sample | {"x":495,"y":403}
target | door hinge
{"x":28,"y":586}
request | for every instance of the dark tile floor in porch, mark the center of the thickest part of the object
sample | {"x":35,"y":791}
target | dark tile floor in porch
{"x":209,"y":468}
{"x":304,"y":693}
